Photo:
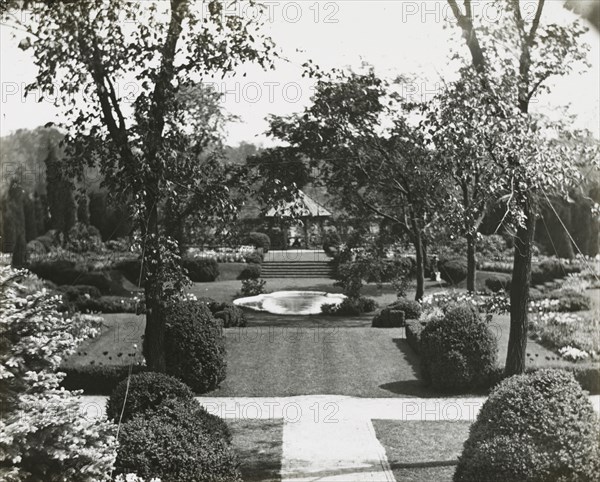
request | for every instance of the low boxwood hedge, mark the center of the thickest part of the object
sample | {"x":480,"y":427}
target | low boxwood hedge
{"x":412,"y":309}
{"x":96,"y":379}
{"x":414,"y":328}
{"x":350,"y":307}
{"x":64,"y":272}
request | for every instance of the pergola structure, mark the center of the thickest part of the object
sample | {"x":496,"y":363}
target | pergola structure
{"x":301,"y":221}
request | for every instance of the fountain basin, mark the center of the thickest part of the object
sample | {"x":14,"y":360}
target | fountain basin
{"x":290,"y":302}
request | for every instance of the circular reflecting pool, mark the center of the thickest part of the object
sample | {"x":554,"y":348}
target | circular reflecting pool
{"x":290,"y":302}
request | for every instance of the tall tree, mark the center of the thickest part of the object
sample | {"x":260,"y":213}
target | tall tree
{"x":454,"y":120}
{"x":372,"y":171}
{"x":512,"y":61}
{"x":131,"y":60}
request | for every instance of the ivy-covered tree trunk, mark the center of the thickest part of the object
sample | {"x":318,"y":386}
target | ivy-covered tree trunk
{"x":519,"y":293}
{"x":154,"y":339}
{"x":471,"y":262}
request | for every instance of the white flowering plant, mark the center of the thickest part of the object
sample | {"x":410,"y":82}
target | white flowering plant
{"x":44,"y":433}
{"x":572,"y":353}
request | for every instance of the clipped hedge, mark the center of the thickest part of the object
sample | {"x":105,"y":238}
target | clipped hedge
{"x":534,"y":427}
{"x":259,"y":240}
{"x":458,"y":352}
{"x":145,"y":391}
{"x":498,"y":282}
{"x":414,"y":329}
{"x":587,"y":375}
{"x":65,"y":272}
{"x":230,"y":314}
{"x":389,"y":318}
{"x":251,"y":271}
{"x":201,"y":270}
{"x":551,"y":269}
{"x":73,"y":293}
{"x":350,"y":307}
{"x":254,"y":257}
{"x":412,"y":309}
{"x":96,"y":379}
{"x":178,"y":441}
{"x":194,"y":345}
{"x":453,"y":270}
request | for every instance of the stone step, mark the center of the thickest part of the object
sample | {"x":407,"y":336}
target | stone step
{"x":296,"y":269}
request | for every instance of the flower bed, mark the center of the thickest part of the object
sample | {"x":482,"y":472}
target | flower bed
{"x":223,"y":255}
{"x":574,"y":337}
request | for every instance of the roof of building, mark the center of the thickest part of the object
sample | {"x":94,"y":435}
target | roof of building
{"x":302,"y":206}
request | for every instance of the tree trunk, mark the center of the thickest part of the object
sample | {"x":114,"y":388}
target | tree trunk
{"x":471,"y":263}
{"x":519,"y":294}
{"x":426,"y":267}
{"x":420,"y":274}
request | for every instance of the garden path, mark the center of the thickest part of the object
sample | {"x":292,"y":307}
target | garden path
{"x":331,"y":437}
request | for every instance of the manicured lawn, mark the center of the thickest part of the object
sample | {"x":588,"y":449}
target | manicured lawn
{"x":302,"y":357}
{"x":115,"y":345}
{"x":258,"y":445}
{"x":422,"y":451}
{"x":294,"y":355}
{"x":280,"y":361}
{"x":537,"y":355}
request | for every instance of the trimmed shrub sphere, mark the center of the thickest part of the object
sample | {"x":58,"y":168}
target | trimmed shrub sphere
{"x":453,"y":271}
{"x":194,"y":345}
{"x":146,"y":391}
{"x":201,"y":270}
{"x":458,"y":352}
{"x":179,"y":441}
{"x":259,"y":240}
{"x":535,"y":427}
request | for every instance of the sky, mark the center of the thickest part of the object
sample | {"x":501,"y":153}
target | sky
{"x":395,"y":36}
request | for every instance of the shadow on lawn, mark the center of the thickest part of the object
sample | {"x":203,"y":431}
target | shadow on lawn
{"x":409,"y":386}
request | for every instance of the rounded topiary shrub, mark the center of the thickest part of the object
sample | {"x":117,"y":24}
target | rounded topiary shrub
{"x":254,"y":257}
{"x":453,"y":270}
{"x":230,"y":314}
{"x":412,"y":309}
{"x":201,"y":270}
{"x":459,"y":351}
{"x":178,"y":441}
{"x":251,"y":271}
{"x":498,"y":282}
{"x":259,"y":240}
{"x":146,"y":391}
{"x":535,"y":427}
{"x":194,"y":345}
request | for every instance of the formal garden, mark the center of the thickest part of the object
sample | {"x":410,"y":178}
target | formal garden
{"x":396,"y":290}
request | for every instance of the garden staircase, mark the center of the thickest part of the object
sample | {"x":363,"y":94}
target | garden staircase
{"x":296,"y":269}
